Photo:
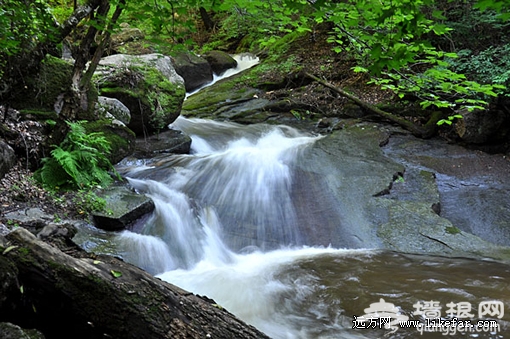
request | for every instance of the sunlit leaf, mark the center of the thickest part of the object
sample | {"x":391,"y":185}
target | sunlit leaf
{"x":8,"y":249}
{"x":116,"y":274}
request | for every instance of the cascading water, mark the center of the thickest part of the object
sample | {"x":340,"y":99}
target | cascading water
{"x":244,"y":61}
{"x":225,"y":226}
{"x":241,"y":186}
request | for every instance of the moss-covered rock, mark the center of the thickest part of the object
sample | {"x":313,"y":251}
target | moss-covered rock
{"x":149,"y":87}
{"x":121,"y":138}
{"x":220,"y":61}
{"x":195,"y":70}
{"x":45,"y":89}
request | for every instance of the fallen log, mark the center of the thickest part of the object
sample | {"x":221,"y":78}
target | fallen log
{"x":103,"y":297}
{"x":423,"y":132}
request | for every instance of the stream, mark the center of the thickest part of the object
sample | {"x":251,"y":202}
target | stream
{"x":232,"y":222}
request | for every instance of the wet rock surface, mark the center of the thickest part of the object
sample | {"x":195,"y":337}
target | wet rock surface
{"x":473,"y":186}
{"x":372,"y":185}
{"x":123,"y":207}
{"x":170,"y":141}
{"x":413,"y":195}
{"x":195,"y":70}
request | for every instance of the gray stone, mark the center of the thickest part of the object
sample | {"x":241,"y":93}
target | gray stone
{"x":159,"y":61}
{"x":7,"y":158}
{"x":123,"y":207}
{"x":31,"y":218}
{"x":195,"y":70}
{"x":147,"y":85}
{"x":170,"y":141}
{"x":12,"y":331}
{"x":358,"y":195}
{"x":472,"y":187}
{"x":4,"y":230}
{"x":219,"y":61}
{"x":114,"y":107}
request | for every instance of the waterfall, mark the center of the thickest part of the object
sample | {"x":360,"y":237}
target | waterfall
{"x":244,"y":61}
{"x":233,"y":219}
{"x":224,"y":226}
{"x":229,"y":195}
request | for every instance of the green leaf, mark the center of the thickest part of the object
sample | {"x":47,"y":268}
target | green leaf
{"x":116,"y":274}
{"x":360,"y":69}
{"x":8,"y":249}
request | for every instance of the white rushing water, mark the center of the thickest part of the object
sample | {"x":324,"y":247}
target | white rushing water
{"x":249,"y":287}
{"x":240,"y":184}
{"x":244,"y":61}
{"x":224,"y":226}
{"x":244,"y":176}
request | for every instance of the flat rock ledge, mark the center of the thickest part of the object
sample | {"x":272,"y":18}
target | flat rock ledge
{"x":169,"y":141}
{"x":123,"y":207}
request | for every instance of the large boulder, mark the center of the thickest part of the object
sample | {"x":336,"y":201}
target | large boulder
{"x":195,"y":70}
{"x":147,"y":84}
{"x":220,"y":61}
{"x":7,"y":158}
{"x":480,"y":126}
{"x":43,"y":91}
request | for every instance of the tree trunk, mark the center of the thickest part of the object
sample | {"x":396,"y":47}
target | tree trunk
{"x":103,"y":297}
{"x":206,"y":19}
{"x":418,"y":131}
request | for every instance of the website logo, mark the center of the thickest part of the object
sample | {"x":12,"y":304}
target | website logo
{"x":459,"y":317}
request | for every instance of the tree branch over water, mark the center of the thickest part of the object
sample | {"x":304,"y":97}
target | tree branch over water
{"x":422,"y":132}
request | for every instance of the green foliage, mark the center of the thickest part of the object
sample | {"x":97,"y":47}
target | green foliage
{"x":500,"y":6}
{"x":168,"y":25}
{"x":116,"y":274}
{"x":403,"y":45}
{"x":63,"y":10}
{"x":88,"y":201}
{"x":389,"y":41}
{"x":450,"y":119}
{"x":23,"y":25}
{"x":490,"y":66}
{"x":78,"y":162}
{"x":268,"y":20}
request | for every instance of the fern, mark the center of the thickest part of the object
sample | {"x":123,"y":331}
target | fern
{"x":78,"y":162}
{"x":68,"y":163}
{"x":51,"y":174}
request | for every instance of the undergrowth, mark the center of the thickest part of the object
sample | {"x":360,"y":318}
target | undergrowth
{"x":79,"y":162}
